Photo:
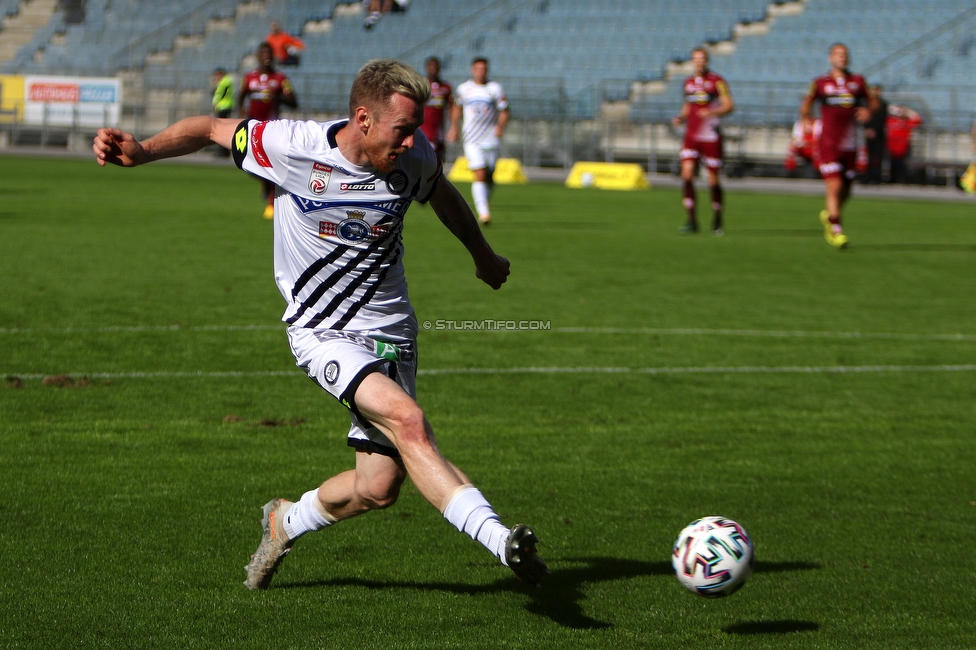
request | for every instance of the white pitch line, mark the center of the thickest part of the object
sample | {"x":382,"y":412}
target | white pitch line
{"x":533,"y":370}
{"x":163,"y":374}
{"x":701,"y":370}
{"x":767,"y":333}
{"x":561,"y":330}
{"x":140,"y":328}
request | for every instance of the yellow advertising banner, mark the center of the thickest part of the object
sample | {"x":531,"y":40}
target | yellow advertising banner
{"x":607,"y":176}
{"x":507,"y":171}
{"x":11,"y":99}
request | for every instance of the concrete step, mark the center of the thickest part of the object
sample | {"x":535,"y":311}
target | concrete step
{"x":19,"y":28}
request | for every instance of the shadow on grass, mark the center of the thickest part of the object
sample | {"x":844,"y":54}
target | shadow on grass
{"x":560,"y":597}
{"x":747,"y":628}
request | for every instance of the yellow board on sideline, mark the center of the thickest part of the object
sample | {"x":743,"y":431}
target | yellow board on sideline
{"x":507,"y":171}
{"x":607,"y":176}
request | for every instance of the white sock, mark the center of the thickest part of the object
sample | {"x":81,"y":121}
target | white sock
{"x":305,"y":515}
{"x":471,"y":513}
{"x":479,"y":191}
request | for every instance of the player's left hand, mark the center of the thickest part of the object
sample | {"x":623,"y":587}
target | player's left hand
{"x":493,"y":270}
{"x":862,"y":114}
{"x":116,"y":147}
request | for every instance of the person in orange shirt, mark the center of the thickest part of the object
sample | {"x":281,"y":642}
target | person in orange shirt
{"x":284,"y":46}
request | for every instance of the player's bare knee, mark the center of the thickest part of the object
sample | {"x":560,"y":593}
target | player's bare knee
{"x":380,"y":494}
{"x":409,"y":426}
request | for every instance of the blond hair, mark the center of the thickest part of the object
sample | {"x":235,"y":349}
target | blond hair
{"x":380,"y":79}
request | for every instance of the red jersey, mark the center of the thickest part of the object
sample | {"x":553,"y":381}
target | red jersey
{"x":264,"y":93}
{"x":899,"y":124}
{"x":839,"y":99}
{"x":700,"y":93}
{"x":440,"y":99}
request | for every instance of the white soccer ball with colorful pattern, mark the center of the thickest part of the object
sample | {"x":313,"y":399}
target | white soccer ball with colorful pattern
{"x":712,"y":557}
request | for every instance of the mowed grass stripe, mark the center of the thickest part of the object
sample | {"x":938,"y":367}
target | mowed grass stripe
{"x":676,"y":331}
{"x":528,"y":370}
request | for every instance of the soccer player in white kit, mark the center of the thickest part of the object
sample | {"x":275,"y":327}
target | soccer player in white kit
{"x":343,"y":189}
{"x":485,"y":114}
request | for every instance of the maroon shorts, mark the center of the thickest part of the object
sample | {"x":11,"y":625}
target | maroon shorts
{"x":709,"y":153}
{"x":836,"y":164}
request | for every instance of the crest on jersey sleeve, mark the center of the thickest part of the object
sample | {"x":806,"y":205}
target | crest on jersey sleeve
{"x":318,"y":181}
{"x":396,"y":181}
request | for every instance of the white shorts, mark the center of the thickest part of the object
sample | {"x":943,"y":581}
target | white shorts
{"x":339,"y":361}
{"x":481,"y":156}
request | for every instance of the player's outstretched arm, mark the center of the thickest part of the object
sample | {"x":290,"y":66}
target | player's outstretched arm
{"x":117,"y":147}
{"x":453,"y":211}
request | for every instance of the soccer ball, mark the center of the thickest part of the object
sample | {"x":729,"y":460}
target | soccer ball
{"x":712,"y":557}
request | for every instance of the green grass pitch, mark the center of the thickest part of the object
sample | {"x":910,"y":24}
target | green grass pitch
{"x":678,"y":377}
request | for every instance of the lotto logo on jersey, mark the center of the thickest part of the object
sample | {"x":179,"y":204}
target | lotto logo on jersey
{"x":318,"y":181}
{"x":240,"y":140}
{"x":357,"y":187}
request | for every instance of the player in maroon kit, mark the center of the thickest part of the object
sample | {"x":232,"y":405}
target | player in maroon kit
{"x":844,"y":98}
{"x":437,"y":107}
{"x":265,"y":90}
{"x":707,"y":98}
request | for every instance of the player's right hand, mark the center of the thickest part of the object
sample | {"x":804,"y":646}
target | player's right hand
{"x":116,"y":147}
{"x":493,"y":270}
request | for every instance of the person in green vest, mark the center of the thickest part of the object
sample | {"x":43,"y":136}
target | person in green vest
{"x":223,"y":100}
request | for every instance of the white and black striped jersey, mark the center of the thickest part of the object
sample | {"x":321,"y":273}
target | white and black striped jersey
{"x":481,"y":104}
{"x":338,"y":252}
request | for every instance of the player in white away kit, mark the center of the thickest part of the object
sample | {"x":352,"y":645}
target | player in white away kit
{"x":343,"y":190}
{"x":485,"y":113}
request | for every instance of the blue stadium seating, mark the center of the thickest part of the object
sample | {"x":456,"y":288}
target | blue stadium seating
{"x":555,"y":57}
